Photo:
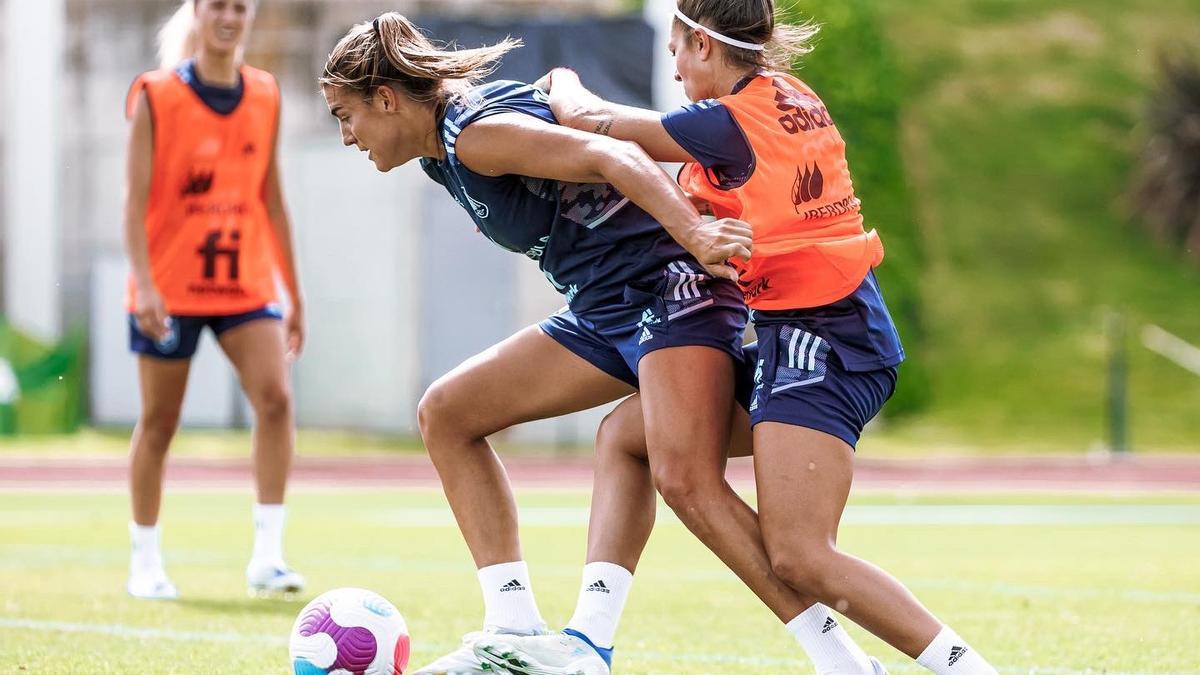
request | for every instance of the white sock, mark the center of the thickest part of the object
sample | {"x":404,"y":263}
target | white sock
{"x":508,"y":604}
{"x":601,"y":602}
{"x":146,"y":553}
{"x":949,"y":654}
{"x":268,"y":532}
{"x":828,"y":644}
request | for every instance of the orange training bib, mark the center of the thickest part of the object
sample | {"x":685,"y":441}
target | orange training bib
{"x":809,"y":245}
{"x":212,"y":248}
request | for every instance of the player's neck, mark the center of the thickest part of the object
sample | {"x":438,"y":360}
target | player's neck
{"x":728,"y":78}
{"x":432,"y":144}
{"x":218,"y":70}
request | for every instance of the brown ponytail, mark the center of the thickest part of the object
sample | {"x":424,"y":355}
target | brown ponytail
{"x":752,"y":21}
{"x":391,"y":50}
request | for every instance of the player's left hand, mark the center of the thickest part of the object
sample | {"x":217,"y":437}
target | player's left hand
{"x":294,"y":324}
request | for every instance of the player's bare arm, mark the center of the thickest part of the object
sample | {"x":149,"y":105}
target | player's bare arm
{"x":578,"y":108}
{"x":499,"y":145}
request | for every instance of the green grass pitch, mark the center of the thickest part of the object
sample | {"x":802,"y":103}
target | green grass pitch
{"x":1039,"y":583}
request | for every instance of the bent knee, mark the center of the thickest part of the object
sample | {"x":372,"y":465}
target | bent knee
{"x":160,"y":421}
{"x":687,"y":488}
{"x":808,"y":568}
{"x":440,"y":412}
{"x":621,"y":434}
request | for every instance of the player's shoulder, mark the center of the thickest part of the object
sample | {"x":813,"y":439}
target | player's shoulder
{"x":498,"y":94}
{"x":772,"y":82}
{"x":487,"y":104}
{"x":152,"y":79}
{"x":708,"y":107}
{"x":499,"y":90}
{"x":258,"y":76}
{"x":159,"y":80}
{"x":156,"y":75}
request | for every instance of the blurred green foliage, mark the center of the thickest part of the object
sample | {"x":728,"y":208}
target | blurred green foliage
{"x":1020,"y":129}
{"x":48,"y":380}
{"x":854,"y":70}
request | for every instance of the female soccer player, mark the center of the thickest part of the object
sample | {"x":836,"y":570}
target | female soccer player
{"x":759,"y":145}
{"x":206,"y":232}
{"x":608,"y":229}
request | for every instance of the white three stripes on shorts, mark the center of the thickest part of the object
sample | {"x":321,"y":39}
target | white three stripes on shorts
{"x":685,"y":286}
{"x":803,"y":355}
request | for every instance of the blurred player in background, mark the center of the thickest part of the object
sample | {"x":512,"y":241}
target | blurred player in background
{"x":639,"y":267}
{"x":760,"y":145}
{"x":207,"y":234}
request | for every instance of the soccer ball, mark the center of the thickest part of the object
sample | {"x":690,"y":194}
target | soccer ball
{"x":349,"y":631}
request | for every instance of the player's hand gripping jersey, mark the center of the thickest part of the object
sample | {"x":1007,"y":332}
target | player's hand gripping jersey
{"x":212,"y":250}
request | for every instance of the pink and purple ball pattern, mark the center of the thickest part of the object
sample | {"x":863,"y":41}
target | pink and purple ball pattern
{"x":355,"y":646}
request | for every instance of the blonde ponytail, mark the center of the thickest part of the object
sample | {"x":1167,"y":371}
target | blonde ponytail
{"x":391,"y":50}
{"x":789,"y":42}
{"x":177,"y":37}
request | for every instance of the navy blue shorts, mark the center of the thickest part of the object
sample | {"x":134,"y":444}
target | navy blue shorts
{"x":181,"y":342}
{"x":680,"y":307}
{"x":796,"y":378}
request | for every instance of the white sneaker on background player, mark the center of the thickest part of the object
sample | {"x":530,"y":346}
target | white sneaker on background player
{"x":566,"y":653}
{"x":272,"y":576}
{"x":150,"y":583}
{"x":463,"y":661}
{"x":147,"y":577}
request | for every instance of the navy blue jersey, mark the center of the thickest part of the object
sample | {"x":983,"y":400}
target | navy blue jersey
{"x":707,"y":131}
{"x":588,"y":239}
{"x":859,"y":327}
{"x":713,"y":138}
{"x":222,"y":100}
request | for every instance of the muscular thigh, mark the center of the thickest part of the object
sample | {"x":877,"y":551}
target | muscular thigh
{"x":163,"y":383}
{"x":686,"y":396}
{"x":803,"y":478}
{"x":527,"y":377}
{"x":258,"y":351}
{"x":625,"y":428}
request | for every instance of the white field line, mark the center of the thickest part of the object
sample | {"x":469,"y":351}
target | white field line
{"x":141,"y":633}
{"x":39,"y":557}
{"x":1174,"y":348}
{"x":137,"y":633}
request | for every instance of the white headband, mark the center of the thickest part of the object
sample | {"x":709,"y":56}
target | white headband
{"x":715,"y":35}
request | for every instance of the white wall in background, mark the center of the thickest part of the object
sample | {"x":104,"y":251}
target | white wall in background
{"x":33,"y":49}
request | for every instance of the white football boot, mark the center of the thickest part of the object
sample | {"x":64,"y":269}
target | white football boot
{"x":266,"y":578}
{"x":463,"y":661}
{"x":151,"y":584}
{"x":556,"y":654}
{"x":878,"y":667}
